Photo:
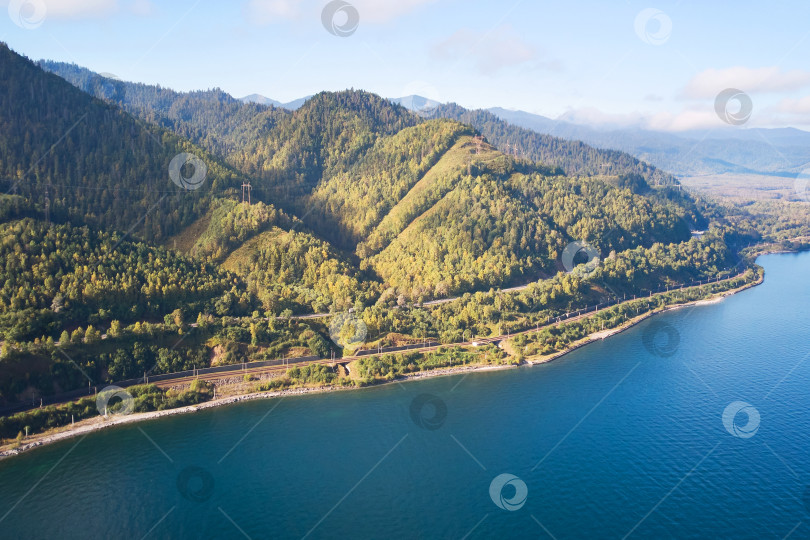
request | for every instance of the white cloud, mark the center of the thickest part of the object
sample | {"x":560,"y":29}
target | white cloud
{"x":381,"y":11}
{"x":592,"y":116}
{"x":682,"y":121}
{"x":687,"y":119}
{"x":90,"y":9}
{"x":371,"y":11}
{"x":789,"y":112}
{"x":491,"y":51}
{"x":142,"y":8}
{"x":271,"y":11}
{"x":786,"y":112}
{"x":708,"y":83}
{"x":794,"y":106}
{"x":77,"y":9}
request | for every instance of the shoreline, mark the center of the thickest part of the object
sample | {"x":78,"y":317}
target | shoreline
{"x":602,"y":334}
{"x":90,"y":425}
{"x":87,"y":426}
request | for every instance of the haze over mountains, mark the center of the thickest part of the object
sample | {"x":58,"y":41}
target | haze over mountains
{"x":261,"y":100}
{"x":725,"y":149}
{"x":226,"y":124}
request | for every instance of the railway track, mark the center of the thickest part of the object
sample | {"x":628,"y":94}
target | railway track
{"x":165,"y":381}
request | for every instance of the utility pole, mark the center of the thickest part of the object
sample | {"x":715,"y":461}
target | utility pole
{"x":47,"y":207}
{"x":246,"y":187}
{"x":478,"y":142}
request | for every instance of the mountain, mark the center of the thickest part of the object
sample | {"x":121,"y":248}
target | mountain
{"x":376,"y":187}
{"x":78,"y":162}
{"x":369,"y":177}
{"x":296,"y":103}
{"x":416,"y":103}
{"x":77,"y":159}
{"x":349,"y":202}
{"x":210,"y":118}
{"x":231,"y":127}
{"x":574,"y":157}
{"x":725,"y":149}
{"x":261,"y":100}
{"x":432,"y":209}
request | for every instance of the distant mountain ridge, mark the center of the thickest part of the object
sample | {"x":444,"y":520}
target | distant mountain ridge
{"x":777,"y":152}
{"x":416,"y":103}
{"x":413,"y":103}
{"x":573,"y":156}
{"x":262,"y":100}
{"x":726,"y":149}
{"x":226,"y":125}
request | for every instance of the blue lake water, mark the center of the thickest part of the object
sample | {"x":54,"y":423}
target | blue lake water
{"x":623,"y":437}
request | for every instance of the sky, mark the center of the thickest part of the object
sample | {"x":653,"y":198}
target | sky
{"x":672,"y":66}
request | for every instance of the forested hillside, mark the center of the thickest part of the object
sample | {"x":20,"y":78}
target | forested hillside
{"x":574,"y":157}
{"x":508,"y":225}
{"x":354,"y":203}
{"x":58,"y":276}
{"x":86,"y":161}
{"x":326,"y":136}
{"x":426,"y":208}
{"x":215,"y":120}
{"x":210,"y":118}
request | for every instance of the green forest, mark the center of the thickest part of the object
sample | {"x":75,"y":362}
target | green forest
{"x":110,"y":269}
